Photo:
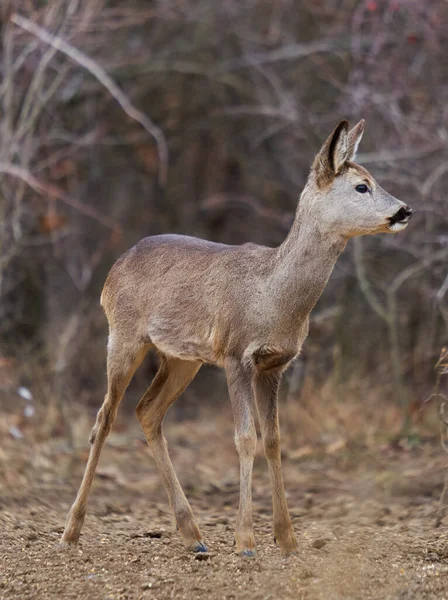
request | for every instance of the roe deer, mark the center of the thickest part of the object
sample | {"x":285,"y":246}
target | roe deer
{"x":244,"y":308}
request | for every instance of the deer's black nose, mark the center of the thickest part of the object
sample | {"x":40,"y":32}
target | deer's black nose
{"x":404,"y":214}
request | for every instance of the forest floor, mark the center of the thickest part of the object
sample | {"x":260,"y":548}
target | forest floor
{"x":365,"y":520}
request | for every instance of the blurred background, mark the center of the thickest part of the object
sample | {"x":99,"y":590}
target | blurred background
{"x":121,"y":120}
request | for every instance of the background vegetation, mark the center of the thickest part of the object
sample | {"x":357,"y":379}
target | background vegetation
{"x":126,"y":119}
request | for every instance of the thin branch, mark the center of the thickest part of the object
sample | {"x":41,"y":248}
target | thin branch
{"x":38,"y":103}
{"x":276,"y":112}
{"x":290,"y":52}
{"x":30,"y":108}
{"x":217,"y":201}
{"x":18,"y":64}
{"x":404,"y":154}
{"x":88,"y":139}
{"x":364,"y":283}
{"x":416,"y":268}
{"x":100,"y":74}
{"x":442,"y":290}
{"x":432,"y":179}
{"x":441,"y":368}
{"x":49,"y":189}
{"x":8,"y":81}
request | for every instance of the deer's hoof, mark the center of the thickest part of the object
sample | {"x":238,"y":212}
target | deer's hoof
{"x":65,"y":545}
{"x":248,"y":554}
{"x":200,"y":547}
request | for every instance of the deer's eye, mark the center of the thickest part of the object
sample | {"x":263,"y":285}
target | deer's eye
{"x":362,"y":188}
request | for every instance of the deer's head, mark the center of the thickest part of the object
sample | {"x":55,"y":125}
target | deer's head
{"x":345,"y":196}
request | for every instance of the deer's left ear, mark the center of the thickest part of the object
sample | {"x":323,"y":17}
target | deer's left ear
{"x":354,"y":138}
{"x":338,"y":148}
{"x":333,"y":154}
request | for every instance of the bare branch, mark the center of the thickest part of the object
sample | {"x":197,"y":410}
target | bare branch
{"x":36,"y":105}
{"x":432,"y":179}
{"x":55,"y":192}
{"x":364,"y":283}
{"x":439,"y":299}
{"x":440,"y":368}
{"x":417,"y":268}
{"x":404,"y":154}
{"x":290,"y":52}
{"x":100,"y":74}
{"x":277,"y":112}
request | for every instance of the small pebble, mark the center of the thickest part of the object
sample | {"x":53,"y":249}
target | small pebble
{"x":147,"y":586}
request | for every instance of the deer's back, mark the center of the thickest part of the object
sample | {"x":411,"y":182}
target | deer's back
{"x":191,"y":297}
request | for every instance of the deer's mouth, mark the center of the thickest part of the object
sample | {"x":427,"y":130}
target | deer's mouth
{"x":400,"y":219}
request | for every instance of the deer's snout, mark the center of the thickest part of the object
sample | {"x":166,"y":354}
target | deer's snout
{"x":401,"y":216}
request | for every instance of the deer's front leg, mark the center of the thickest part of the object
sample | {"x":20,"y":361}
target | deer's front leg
{"x":240,"y":389}
{"x":266,"y":386}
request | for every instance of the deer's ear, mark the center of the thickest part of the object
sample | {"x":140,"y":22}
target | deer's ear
{"x":354,"y":138}
{"x":333,"y":153}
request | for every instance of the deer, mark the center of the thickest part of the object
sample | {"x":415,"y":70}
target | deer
{"x":243,"y":308}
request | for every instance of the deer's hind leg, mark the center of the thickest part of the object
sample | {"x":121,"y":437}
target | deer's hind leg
{"x":173,"y":377}
{"x":123,"y":360}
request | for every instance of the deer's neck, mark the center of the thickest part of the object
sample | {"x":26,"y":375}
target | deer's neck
{"x":304,"y":261}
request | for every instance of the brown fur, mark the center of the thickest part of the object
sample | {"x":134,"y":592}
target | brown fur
{"x":243,"y":308}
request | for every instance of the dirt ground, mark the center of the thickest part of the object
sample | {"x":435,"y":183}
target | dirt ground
{"x":364,"y":518}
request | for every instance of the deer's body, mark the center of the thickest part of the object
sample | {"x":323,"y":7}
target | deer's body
{"x":255,"y":312}
{"x":243,"y":308}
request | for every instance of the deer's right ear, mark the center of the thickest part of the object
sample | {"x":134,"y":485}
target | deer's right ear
{"x":333,"y":154}
{"x":354,"y":138}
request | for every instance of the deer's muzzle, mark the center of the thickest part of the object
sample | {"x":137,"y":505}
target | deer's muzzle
{"x":402,"y":216}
